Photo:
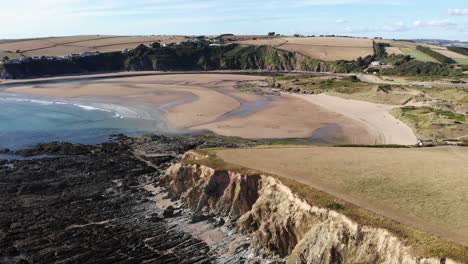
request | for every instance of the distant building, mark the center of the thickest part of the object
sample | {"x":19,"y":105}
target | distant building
{"x":377,"y":63}
{"x":88,"y":54}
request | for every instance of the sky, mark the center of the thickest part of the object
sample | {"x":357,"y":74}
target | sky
{"x":399,"y":19}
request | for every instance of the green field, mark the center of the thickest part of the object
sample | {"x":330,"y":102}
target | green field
{"x":461,"y":61}
{"x":417,"y":55}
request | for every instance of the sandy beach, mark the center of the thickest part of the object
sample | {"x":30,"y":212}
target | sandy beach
{"x":191,"y":102}
{"x":376,"y":117}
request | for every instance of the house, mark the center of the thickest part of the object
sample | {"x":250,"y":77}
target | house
{"x":377,"y":63}
{"x":88,"y":54}
{"x":218,"y":40}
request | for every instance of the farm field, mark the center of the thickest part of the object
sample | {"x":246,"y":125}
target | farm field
{"x":61,"y":46}
{"x":462,"y":61}
{"x":417,"y":187}
{"x":394,"y":50}
{"x":418,"y":55}
{"x":409,"y":48}
{"x":321,"y":48}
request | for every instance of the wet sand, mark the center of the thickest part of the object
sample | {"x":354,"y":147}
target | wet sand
{"x":192,"y":102}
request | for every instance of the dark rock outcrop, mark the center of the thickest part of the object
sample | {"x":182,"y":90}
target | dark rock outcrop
{"x":90,"y":205}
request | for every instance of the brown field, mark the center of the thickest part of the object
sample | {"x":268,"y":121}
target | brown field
{"x":423,"y":188}
{"x":394,"y":50}
{"x":322,"y":48}
{"x":61,"y":46}
{"x":451,"y":54}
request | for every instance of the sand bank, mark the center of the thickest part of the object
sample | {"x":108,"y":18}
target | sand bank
{"x":376,"y":117}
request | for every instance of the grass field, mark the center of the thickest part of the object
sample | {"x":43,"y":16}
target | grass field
{"x":462,"y":61}
{"x":426,"y":188}
{"x":321,"y":48}
{"x":417,"y":55}
{"x":420,"y":189}
{"x":76,"y":44}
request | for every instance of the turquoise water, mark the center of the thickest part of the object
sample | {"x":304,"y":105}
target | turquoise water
{"x":27,"y":122}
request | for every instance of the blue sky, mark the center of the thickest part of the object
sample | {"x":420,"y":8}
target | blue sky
{"x":387,"y":18}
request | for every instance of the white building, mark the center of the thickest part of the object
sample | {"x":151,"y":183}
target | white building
{"x":377,"y":63}
{"x":88,"y":54}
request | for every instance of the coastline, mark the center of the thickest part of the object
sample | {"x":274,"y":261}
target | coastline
{"x":188,"y":103}
{"x":192,"y":102}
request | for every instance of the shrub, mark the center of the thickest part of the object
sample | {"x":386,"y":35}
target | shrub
{"x":414,"y":67}
{"x":379,"y":49}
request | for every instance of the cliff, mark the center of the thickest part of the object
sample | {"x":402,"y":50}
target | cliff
{"x":184,"y":57}
{"x":282,"y":224}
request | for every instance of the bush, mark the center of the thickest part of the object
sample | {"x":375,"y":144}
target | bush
{"x":414,"y":68}
{"x":439,"y":57}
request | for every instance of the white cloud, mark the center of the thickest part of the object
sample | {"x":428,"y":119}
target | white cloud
{"x":397,"y":27}
{"x":433,"y":23}
{"x":341,"y":21}
{"x":458,"y":11}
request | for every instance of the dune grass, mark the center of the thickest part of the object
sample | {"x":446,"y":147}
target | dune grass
{"x":344,"y":87}
{"x":433,"y":124}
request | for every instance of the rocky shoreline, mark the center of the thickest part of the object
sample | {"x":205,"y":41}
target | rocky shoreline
{"x":147,"y":200}
{"x":98,"y":204}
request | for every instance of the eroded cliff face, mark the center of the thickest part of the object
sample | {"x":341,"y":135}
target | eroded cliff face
{"x":280,"y":223}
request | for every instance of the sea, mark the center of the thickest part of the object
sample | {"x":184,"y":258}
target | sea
{"x":27,"y":121}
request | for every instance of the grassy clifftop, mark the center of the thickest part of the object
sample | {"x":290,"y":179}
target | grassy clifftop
{"x":190,"y":56}
{"x":183,"y":57}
